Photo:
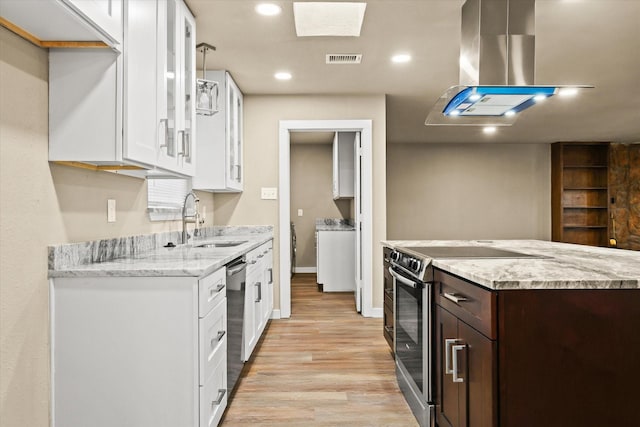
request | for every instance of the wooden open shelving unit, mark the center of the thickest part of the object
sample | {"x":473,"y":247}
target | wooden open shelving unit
{"x":580,"y":193}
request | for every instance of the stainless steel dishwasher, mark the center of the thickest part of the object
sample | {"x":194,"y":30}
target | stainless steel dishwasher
{"x":236,"y":283}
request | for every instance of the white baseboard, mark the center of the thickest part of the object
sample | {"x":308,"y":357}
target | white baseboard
{"x":305,"y":270}
{"x":376,"y":312}
{"x":275,"y":314}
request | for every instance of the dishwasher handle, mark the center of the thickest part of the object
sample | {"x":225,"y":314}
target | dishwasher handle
{"x":236,"y":267}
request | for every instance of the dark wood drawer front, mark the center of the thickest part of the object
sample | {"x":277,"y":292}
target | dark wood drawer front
{"x":470,"y":303}
{"x":388,"y":325}
{"x":388,"y":297}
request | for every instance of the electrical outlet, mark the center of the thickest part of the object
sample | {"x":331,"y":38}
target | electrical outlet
{"x":269,"y":193}
{"x":111,"y":210}
{"x":299,"y":212}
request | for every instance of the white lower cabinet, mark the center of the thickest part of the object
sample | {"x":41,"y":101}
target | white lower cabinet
{"x":138,"y":351}
{"x":213,"y":395}
{"x":336,"y":260}
{"x":258,"y":304}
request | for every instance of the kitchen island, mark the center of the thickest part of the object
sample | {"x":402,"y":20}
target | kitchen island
{"x":548,"y":340}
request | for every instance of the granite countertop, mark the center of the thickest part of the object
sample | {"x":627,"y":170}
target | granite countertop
{"x":334,"y":224}
{"x":561,"y":266}
{"x":181,"y":260}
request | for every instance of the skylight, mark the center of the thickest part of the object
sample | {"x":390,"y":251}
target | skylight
{"x":328,"y":18}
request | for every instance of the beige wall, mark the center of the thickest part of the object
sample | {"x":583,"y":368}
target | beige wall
{"x":312,"y":191}
{"x":469,"y":191}
{"x":40,"y":205}
{"x":262,"y":115}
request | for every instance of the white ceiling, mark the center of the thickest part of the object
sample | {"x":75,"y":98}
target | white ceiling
{"x":577,"y":42}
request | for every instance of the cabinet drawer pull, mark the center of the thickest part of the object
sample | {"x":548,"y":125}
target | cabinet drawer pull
{"x":221,"y":393}
{"x":166,"y":134}
{"x":216,"y":290}
{"x":447,"y":355}
{"x":181,"y":138}
{"x":253,"y":262}
{"x":259,"y":286}
{"x":456,"y":349}
{"x":260,"y":256}
{"x":389,"y":329}
{"x":455,"y":298}
{"x":389,"y":291}
{"x":270,"y":275}
{"x":220,"y":335}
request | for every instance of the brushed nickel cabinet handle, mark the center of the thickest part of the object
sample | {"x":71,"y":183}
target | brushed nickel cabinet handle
{"x":259,"y":286}
{"x":447,"y":355}
{"x":221,"y":393}
{"x":455,"y":298}
{"x":456,"y":349}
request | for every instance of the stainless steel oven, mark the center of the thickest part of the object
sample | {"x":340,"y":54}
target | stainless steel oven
{"x":413,"y":287}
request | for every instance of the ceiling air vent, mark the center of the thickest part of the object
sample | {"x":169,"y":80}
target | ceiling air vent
{"x":344,"y":58}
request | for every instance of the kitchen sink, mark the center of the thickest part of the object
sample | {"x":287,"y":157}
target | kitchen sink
{"x":221,"y":244}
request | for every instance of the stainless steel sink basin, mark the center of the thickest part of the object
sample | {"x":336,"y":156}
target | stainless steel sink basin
{"x":222,"y":244}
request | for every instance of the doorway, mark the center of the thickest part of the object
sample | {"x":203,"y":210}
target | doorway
{"x":363,"y":206}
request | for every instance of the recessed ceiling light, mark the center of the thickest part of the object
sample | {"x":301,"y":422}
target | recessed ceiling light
{"x":568,"y":91}
{"x":454,"y":113}
{"x":474,"y":97}
{"x":510,"y":113}
{"x":268,"y":9}
{"x":282,"y":75}
{"x":401,"y":58}
{"x":489,"y":129}
{"x":539,"y":98}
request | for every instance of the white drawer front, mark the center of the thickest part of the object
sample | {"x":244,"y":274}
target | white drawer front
{"x":213,"y":396}
{"x":212,"y":288}
{"x":213,"y":339}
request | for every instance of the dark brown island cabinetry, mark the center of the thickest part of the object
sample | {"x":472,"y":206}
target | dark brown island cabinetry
{"x":531,"y":358}
{"x":466,"y":353}
{"x":579,"y":193}
{"x":388,"y":298}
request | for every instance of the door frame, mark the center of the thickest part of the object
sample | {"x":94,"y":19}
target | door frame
{"x":365,"y":129}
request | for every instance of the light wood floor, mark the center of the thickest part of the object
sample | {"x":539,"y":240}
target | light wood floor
{"x":325,"y":366}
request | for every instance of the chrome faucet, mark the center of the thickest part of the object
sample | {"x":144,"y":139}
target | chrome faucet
{"x":189,"y":219}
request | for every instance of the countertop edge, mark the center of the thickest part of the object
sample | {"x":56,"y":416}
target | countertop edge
{"x":587,"y":276}
{"x":215,"y":264}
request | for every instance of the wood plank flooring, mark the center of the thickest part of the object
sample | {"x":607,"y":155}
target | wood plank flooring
{"x":325,"y":366}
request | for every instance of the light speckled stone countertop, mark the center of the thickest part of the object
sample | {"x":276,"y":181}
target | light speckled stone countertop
{"x":564,"y":266}
{"x":334,"y":224}
{"x":181,"y":260}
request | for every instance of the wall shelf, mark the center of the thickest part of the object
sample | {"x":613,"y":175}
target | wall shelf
{"x":580,"y":193}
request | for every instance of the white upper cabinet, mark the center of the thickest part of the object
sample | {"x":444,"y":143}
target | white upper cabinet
{"x":343,"y":165}
{"x":220,"y":140}
{"x":67,"y":20}
{"x":130,"y":110}
{"x":104,"y":16}
{"x":142,"y":130}
{"x":176,"y":87}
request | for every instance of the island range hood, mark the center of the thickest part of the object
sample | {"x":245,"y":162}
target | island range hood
{"x":497,"y":65}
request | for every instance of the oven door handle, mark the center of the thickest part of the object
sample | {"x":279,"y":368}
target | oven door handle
{"x":403,"y":279}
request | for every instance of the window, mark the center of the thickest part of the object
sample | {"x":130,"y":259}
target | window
{"x":165,"y":198}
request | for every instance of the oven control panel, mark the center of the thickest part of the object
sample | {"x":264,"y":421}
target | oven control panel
{"x":415,"y":266}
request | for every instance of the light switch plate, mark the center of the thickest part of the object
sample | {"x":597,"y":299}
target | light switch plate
{"x":111,"y":210}
{"x":269,"y":193}
{"x":300,"y":212}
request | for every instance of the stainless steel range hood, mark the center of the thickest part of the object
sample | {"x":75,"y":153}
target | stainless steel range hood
{"x":497,"y":65}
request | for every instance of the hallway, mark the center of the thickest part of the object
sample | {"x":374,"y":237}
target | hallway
{"x":325,"y":366}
